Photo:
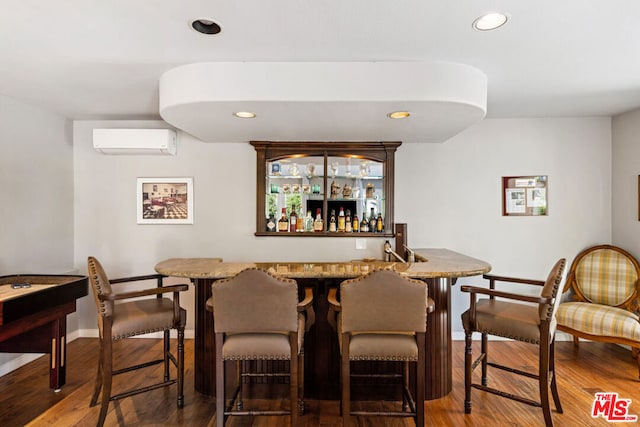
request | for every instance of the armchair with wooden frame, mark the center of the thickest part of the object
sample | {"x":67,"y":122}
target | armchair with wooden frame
{"x":519,"y":317}
{"x":119,"y":319}
{"x":257,"y":317}
{"x":602,"y":296}
{"x":382,"y":317}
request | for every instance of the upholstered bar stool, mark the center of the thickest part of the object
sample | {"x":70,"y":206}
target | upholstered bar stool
{"x":524,"y":318}
{"x":257,"y":317}
{"x":382,"y":317}
{"x":118,"y":320}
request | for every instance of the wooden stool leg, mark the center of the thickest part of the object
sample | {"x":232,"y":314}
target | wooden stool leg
{"x":467,"y":372}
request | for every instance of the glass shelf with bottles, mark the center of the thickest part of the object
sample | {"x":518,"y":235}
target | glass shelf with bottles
{"x":300,"y":180}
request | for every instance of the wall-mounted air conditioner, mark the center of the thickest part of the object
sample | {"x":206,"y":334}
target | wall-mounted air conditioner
{"x":135,"y":141}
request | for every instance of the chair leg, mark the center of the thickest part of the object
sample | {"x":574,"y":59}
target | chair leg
{"x":420,"y":372}
{"x":167,"y":349}
{"x":98,"y":385}
{"x":552,"y":369}
{"x":293,"y":378}
{"x":405,"y":384}
{"x":180,"y":367}
{"x":301,"y":382}
{"x":467,"y":372}
{"x":219,"y":381}
{"x":543,"y":380}
{"x":107,"y":377}
{"x":346,"y":382}
{"x":485,"y":361}
{"x":635,"y":352}
{"x":241,"y":367}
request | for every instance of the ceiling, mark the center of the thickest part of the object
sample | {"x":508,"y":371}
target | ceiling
{"x":90,"y":59}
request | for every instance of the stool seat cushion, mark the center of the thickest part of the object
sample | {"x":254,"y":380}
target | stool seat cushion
{"x":383,"y":347}
{"x":142,"y":317}
{"x":506,"y":319}
{"x":263,"y":346}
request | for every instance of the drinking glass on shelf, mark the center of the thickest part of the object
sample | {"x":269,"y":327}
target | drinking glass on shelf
{"x":364,"y":169}
{"x":294,"y":169}
{"x":334,"y":168}
{"x":311,"y":169}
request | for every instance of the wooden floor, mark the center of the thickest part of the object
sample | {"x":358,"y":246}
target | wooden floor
{"x":25,"y":398}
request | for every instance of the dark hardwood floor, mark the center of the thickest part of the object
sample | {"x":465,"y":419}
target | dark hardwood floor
{"x":25,"y":398}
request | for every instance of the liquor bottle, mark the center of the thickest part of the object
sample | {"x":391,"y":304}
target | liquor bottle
{"x":348,"y":226}
{"x":379,"y":224}
{"x":300,"y":223}
{"x":283,"y":222}
{"x":318,"y":224}
{"x":332,"y":221}
{"x":372,"y":221}
{"x":342,"y":222}
{"x":364,"y":224}
{"x":293,"y":219}
{"x":356,"y":224}
{"x":271,"y":223}
{"x":308,"y":222}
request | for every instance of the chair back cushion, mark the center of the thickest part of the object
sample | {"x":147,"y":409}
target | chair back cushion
{"x":556,"y":277}
{"x":255,"y":300}
{"x":100,"y":286}
{"x":383,"y":300}
{"x":606,"y":276}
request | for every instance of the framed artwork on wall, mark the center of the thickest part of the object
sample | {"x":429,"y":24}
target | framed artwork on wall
{"x":524,"y":195}
{"x":164,"y":201}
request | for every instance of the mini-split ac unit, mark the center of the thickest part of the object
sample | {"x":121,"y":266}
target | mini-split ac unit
{"x":135,"y":141}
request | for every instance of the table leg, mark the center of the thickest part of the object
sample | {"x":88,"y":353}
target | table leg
{"x":57,"y":357}
{"x":204,"y":340}
{"x":438,"y":372}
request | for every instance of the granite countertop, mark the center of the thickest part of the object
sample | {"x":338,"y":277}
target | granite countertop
{"x":430,"y":263}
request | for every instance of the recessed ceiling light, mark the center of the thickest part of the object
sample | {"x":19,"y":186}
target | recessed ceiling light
{"x":398,"y":115}
{"x":490,"y":21}
{"x":205,"y":26}
{"x":244,"y":114}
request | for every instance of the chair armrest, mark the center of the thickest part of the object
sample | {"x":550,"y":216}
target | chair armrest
{"x":144,"y":292}
{"x":306,"y":305}
{"x":492,"y":292}
{"x":137,"y":278}
{"x":334,"y":308}
{"x":307,"y":301}
{"x":332,"y":298}
{"x":495,"y":278}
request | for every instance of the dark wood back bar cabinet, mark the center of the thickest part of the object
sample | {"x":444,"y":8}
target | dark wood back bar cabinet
{"x":355,"y":176}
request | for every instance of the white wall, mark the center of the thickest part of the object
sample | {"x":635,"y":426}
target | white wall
{"x":449,"y":194}
{"x":36,"y":213}
{"x":626,"y":168}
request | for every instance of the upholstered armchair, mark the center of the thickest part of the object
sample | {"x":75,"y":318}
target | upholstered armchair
{"x":119,"y":319}
{"x":519,"y":317}
{"x":257,"y":317}
{"x":602,"y":298}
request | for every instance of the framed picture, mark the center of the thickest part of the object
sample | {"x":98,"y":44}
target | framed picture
{"x":524,"y":195}
{"x":164,"y":201}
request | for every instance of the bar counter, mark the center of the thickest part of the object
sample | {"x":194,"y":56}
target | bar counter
{"x":439,"y":268}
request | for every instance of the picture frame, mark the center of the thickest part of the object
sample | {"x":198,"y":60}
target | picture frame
{"x":524,"y":195}
{"x":164,"y":201}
